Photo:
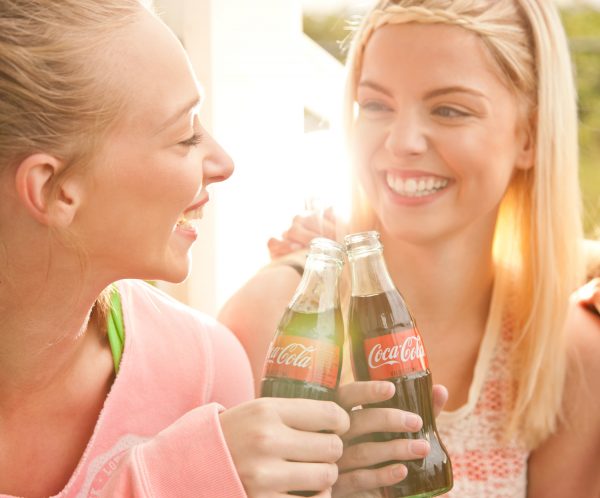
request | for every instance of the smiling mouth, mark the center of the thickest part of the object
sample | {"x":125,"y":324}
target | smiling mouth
{"x":189,"y":220}
{"x":415,"y":187}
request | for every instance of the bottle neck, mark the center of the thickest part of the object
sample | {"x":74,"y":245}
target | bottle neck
{"x":369,"y":273}
{"x":318,"y":289}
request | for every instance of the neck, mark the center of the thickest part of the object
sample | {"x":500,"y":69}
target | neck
{"x":447,"y":285}
{"x":45,"y":327}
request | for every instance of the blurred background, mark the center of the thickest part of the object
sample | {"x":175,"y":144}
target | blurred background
{"x":273,"y":75}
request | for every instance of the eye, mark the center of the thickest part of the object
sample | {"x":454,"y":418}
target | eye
{"x":374,"y":106}
{"x":449,"y":112}
{"x":194,"y":140}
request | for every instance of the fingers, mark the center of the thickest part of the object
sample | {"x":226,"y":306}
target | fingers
{"x":440,"y":396}
{"x":328,"y":447}
{"x":294,"y":476}
{"x":278,"y":248}
{"x":589,"y":295}
{"x":368,"y":479}
{"x":276,"y":448}
{"x":318,"y":222}
{"x":367,"y":454}
{"x":306,"y":227}
{"x":310,"y":415}
{"x":324,"y":494}
{"x":303,"y":229}
{"x":369,"y":420}
{"x":362,"y":393}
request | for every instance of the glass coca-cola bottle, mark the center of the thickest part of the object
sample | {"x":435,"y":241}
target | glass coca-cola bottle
{"x":305,"y":356}
{"x":386,"y":345}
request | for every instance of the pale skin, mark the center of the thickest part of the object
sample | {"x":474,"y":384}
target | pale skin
{"x":55,"y":360}
{"x":454,"y":121}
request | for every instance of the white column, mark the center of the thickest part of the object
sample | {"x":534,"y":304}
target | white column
{"x":247,"y":56}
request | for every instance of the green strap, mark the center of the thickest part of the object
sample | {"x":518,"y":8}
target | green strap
{"x":116,"y":330}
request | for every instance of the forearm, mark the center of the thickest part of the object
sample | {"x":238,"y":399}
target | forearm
{"x":188,"y":459}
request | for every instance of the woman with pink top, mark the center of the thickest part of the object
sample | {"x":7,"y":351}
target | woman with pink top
{"x":108,"y":387}
{"x":462,"y":126}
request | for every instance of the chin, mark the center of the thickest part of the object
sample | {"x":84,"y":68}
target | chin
{"x":176,"y":276}
{"x":172,"y":272}
{"x":412,"y":233}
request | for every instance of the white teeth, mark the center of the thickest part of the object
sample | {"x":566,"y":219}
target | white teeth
{"x":187,"y":224}
{"x":190,"y":220}
{"x":410,"y":186}
{"x":415,"y":187}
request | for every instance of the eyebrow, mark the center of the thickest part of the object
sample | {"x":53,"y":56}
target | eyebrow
{"x":433,"y":93}
{"x":375,"y":86}
{"x":177,"y":115}
{"x":454,"y":89}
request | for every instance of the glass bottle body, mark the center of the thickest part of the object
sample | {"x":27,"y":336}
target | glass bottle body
{"x":305,"y":356}
{"x":386,"y":345}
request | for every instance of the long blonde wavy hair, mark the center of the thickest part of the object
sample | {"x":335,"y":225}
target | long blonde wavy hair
{"x":56,"y":94}
{"x":538,"y":233}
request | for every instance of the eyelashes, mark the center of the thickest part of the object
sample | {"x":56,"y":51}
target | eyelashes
{"x":194,"y":140}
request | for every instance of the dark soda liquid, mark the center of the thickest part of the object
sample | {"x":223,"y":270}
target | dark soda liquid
{"x":325,"y":326}
{"x":382,"y":314}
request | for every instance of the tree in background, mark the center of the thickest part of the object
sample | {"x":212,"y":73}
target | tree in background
{"x":583,"y":28}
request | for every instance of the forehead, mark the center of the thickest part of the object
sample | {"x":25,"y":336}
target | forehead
{"x":435,"y":52}
{"x":154,"y":72}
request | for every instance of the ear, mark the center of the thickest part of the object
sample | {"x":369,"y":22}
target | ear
{"x":526,"y":154}
{"x":49,"y":204}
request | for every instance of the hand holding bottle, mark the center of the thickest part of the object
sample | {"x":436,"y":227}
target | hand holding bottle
{"x":355,"y":474}
{"x":280,"y":444}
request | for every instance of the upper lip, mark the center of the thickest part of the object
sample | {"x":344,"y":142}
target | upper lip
{"x":406,"y":174}
{"x":203,"y":200}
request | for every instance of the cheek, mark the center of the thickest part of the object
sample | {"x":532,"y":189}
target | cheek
{"x":367,"y":142}
{"x":178,"y":181}
{"x":363,"y":169}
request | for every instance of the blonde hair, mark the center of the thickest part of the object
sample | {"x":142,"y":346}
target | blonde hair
{"x":55,"y":94}
{"x":536,"y":243}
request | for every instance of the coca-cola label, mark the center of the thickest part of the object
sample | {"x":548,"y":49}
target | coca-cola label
{"x":395,"y":354}
{"x":305,"y":359}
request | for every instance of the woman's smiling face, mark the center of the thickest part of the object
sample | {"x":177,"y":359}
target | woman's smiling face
{"x":437,"y":135}
{"x":153,"y":169}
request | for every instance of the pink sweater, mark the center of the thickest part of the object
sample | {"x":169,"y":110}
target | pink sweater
{"x":158,"y":434}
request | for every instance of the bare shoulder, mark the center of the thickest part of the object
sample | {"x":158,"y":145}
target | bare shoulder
{"x":566,"y":463}
{"x":270,"y":287}
{"x":583,"y":336}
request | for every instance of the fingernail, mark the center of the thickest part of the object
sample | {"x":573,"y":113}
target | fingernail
{"x":385,"y":388}
{"x":419,"y":448}
{"x":399,"y":472}
{"x":413,"y":422}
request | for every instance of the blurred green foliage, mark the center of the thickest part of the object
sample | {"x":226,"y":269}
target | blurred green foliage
{"x":328,"y":31}
{"x":583,"y":29}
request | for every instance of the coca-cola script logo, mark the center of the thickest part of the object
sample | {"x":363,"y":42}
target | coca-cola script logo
{"x":395,"y":354}
{"x":294,"y":354}
{"x":305,"y":359}
{"x":410,"y":349}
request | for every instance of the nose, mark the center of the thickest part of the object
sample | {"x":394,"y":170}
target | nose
{"x":406,"y":137}
{"x":217,"y":166}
